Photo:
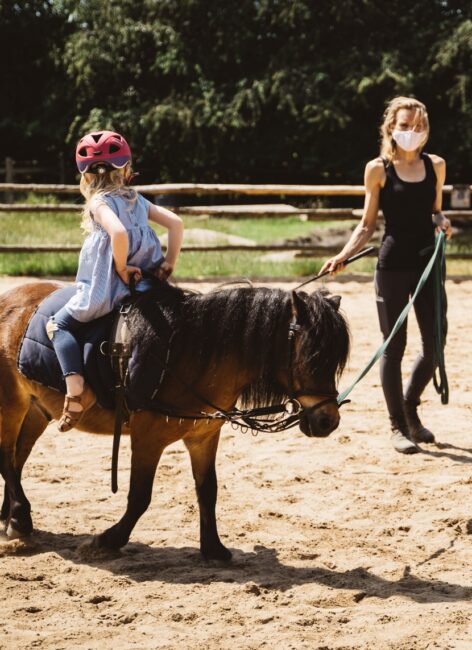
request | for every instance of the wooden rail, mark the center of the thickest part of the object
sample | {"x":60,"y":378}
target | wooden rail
{"x":72,"y":248}
{"x":40,"y":207}
{"x":313,"y":251}
{"x":201,"y":189}
{"x":231,"y":211}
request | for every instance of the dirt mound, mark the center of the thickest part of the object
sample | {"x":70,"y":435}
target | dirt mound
{"x":331,"y":238}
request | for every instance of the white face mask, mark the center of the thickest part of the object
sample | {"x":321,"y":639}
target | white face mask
{"x":409,"y":140}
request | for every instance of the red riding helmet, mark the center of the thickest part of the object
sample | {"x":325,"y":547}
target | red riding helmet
{"x":102,"y":147}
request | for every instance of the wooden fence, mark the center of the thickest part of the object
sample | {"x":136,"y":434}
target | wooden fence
{"x":233,"y":211}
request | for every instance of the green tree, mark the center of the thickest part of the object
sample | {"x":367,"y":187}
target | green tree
{"x":261,"y":90}
{"x":34,"y":107}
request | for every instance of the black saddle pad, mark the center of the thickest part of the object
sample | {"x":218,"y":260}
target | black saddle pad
{"x":38,"y":361}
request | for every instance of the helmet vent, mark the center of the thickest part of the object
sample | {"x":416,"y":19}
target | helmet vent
{"x":114,"y":148}
{"x":96,"y":136}
{"x":83,"y":151}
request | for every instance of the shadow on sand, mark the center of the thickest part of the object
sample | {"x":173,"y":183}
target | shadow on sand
{"x":441,"y":450}
{"x":143,"y":563}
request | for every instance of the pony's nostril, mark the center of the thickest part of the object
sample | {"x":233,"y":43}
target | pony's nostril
{"x":325,"y":423}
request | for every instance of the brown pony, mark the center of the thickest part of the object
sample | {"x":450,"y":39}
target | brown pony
{"x":216,"y":348}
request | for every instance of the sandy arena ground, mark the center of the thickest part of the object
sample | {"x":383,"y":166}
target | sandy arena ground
{"x":339,"y":543}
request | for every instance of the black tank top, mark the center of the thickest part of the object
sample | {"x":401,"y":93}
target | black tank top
{"x":407,"y":208}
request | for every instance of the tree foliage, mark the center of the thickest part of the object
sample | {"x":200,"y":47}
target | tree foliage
{"x":261,"y":90}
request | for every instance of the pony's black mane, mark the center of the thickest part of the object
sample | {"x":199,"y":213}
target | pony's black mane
{"x":243,"y":323}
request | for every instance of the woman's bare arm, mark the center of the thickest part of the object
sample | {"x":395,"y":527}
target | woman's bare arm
{"x":439,"y":219}
{"x":374,"y":179}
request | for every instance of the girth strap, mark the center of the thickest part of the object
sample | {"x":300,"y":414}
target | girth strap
{"x":119,"y":350}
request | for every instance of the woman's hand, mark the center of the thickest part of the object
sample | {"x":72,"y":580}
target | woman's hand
{"x":164,"y":270}
{"x":442,"y":224}
{"x":333,"y":265}
{"x":128,"y":271}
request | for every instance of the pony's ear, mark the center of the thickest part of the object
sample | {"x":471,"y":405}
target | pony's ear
{"x":335,"y":301}
{"x":299,"y":309}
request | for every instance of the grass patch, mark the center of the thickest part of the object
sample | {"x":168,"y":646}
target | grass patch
{"x":64,"y":228}
{"x":39,"y":264}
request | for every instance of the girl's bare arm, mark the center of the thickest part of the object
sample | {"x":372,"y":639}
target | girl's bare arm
{"x":175,"y":228}
{"x":105,"y":216}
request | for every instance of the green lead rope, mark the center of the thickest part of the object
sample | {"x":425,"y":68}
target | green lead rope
{"x":440,"y":324}
{"x":436,"y":261}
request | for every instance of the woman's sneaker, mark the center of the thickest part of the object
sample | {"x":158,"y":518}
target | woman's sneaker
{"x":401,"y":441}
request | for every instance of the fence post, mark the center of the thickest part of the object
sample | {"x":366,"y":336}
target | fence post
{"x":62,"y":169}
{"x":9,"y":175}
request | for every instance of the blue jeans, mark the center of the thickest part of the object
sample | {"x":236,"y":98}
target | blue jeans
{"x":60,"y":328}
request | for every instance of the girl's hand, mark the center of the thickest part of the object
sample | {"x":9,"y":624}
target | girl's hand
{"x":333,"y":265}
{"x":128,"y":271}
{"x":164,"y":271}
{"x":443,"y":223}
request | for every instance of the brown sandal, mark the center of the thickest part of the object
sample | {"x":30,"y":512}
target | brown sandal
{"x":70,"y":418}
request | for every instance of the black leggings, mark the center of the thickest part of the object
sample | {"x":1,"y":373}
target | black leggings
{"x":393,"y":290}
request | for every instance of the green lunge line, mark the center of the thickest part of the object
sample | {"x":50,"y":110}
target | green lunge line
{"x":440,"y":327}
{"x":437,"y":254}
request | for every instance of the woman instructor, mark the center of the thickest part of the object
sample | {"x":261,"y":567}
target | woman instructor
{"x":406,"y":184}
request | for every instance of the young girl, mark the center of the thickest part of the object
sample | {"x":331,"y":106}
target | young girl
{"x":406,"y":184}
{"x":120,"y":244}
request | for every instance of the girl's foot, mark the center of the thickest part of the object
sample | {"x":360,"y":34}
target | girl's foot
{"x":74,"y":407}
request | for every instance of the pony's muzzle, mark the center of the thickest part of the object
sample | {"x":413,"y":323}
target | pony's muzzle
{"x":319,"y":423}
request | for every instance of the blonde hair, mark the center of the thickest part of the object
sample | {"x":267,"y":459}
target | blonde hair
{"x":387,"y":144}
{"x":96,"y":186}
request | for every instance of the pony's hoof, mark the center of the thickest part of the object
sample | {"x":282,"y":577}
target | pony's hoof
{"x":92,"y":549}
{"x":12,"y":532}
{"x":3,"y":531}
{"x":219,"y":554}
{"x":111,"y":539}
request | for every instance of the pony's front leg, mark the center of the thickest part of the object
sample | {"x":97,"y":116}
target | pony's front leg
{"x":146,"y":451}
{"x":202,"y":454}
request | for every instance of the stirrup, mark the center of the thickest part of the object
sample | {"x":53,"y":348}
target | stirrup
{"x":70,"y":418}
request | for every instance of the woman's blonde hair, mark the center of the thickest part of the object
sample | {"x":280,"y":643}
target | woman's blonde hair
{"x":96,"y":186}
{"x":387,"y":144}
